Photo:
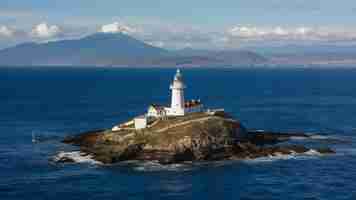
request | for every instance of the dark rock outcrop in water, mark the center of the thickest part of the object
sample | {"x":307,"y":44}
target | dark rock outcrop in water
{"x":195,"y":137}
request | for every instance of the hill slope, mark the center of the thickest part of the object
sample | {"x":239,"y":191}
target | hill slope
{"x":97,"y":49}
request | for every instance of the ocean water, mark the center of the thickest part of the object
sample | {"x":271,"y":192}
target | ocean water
{"x":40,"y":106}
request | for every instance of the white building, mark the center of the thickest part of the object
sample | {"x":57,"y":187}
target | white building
{"x":140,"y":122}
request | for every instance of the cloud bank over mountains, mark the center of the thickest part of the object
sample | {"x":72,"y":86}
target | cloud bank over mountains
{"x":43,"y":30}
{"x":182,"y":36}
{"x":118,"y":27}
{"x":6,"y":31}
{"x":299,"y":33}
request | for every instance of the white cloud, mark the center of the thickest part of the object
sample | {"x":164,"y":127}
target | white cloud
{"x":251,"y":32}
{"x":157,"y":44}
{"x":44,"y":30}
{"x":304,"y":30}
{"x":278,"y":32}
{"x":118,"y":27}
{"x":6,"y":31}
{"x":253,"y":35}
{"x":244,"y":31}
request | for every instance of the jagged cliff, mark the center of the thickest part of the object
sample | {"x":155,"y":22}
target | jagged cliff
{"x":198,"y":136}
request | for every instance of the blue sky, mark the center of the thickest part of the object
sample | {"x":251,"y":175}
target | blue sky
{"x":193,"y":23}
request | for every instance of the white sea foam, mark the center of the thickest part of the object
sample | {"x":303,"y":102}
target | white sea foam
{"x":293,"y":155}
{"x":298,"y":138}
{"x":260,"y":130}
{"x":76,"y":156}
{"x":312,"y":137}
{"x":271,"y":158}
{"x":312,"y":152}
{"x":320,"y":137}
{"x":155,"y":166}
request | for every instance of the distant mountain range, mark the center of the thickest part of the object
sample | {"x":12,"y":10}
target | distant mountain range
{"x":103,"y":49}
{"x":118,"y":49}
{"x":309,"y":54}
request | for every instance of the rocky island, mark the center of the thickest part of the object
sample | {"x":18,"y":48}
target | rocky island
{"x":185,"y":131}
{"x":195,"y":137}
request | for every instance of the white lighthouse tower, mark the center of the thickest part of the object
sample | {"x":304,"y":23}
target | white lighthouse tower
{"x":177,"y":104}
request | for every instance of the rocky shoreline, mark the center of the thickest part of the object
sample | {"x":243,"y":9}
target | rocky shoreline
{"x":198,"y":137}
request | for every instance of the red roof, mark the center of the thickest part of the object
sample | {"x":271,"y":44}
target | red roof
{"x":157,"y":107}
{"x":192,"y":103}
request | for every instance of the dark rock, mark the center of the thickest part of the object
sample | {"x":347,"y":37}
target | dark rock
{"x":88,"y":138}
{"x":65,"y":160}
{"x":130,"y":153}
{"x":186,"y":155}
{"x":218,"y":154}
{"x":270,"y":138}
{"x":297,"y":148}
{"x":325,"y":150}
{"x":106,"y":159}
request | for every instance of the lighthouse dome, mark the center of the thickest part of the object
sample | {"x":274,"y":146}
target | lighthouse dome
{"x":178,"y":81}
{"x":178,"y":76}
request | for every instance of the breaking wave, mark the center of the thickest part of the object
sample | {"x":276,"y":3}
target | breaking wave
{"x":278,"y":156}
{"x":75,"y":156}
{"x":299,"y":138}
{"x":321,"y":137}
{"x":312,"y":152}
{"x":153,"y":166}
{"x":313,"y":137}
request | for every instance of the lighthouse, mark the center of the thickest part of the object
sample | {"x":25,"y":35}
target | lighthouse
{"x":177,"y":101}
{"x":178,"y":107}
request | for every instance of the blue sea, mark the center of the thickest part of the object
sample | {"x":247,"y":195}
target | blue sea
{"x":40,"y":106}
